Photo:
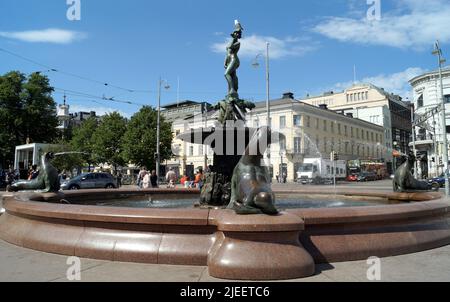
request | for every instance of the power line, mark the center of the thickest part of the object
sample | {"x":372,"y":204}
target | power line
{"x":51,"y":69}
{"x":104,"y":98}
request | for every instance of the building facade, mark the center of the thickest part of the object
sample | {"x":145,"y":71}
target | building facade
{"x":373,"y":104}
{"x":309,"y":132}
{"x":429,"y":132}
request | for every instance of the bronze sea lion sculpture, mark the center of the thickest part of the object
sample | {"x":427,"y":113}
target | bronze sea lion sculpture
{"x":250,"y":186}
{"x":404,"y":180}
{"x":47,"y":181}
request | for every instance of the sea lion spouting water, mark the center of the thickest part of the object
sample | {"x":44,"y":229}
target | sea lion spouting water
{"x":47,"y":181}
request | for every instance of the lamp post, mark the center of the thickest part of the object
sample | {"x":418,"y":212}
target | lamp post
{"x":438,"y":52}
{"x":158,"y":126}
{"x":395,"y":144}
{"x":256,"y":65}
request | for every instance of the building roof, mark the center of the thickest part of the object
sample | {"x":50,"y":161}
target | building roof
{"x":290,"y":101}
{"x":445,"y":71}
{"x":181,"y":104}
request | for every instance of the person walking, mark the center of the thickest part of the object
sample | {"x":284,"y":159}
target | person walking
{"x":199,"y":179}
{"x":154,"y":179}
{"x":141,"y":176}
{"x":171,"y":178}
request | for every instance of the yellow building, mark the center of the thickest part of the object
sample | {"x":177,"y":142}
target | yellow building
{"x":315,"y":132}
{"x":375,"y":105}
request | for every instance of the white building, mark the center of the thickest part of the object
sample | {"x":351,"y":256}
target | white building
{"x":429,"y":137}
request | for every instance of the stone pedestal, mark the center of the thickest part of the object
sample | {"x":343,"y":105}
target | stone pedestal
{"x":259,"y":247}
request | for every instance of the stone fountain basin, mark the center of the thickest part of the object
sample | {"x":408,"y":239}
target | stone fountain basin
{"x":233,"y":247}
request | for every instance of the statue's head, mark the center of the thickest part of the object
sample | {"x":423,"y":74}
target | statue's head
{"x":411,"y":157}
{"x":237,"y":35}
{"x":50,"y":155}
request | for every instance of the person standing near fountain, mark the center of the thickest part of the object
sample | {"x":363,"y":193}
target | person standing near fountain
{"x":154,"y":179}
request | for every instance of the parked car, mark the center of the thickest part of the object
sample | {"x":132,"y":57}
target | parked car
{"x":438,"y":182}
{"x":353,"y":177}
{"x":90,"y":181}
{"x":367,"y":176}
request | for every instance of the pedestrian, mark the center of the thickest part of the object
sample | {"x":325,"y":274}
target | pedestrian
{"x":199,"y":179}
{"x":119,"y":179}
{"x":141,"y":176}
{"x":34,"y":173}
{"x":154,"y":179}
{"x":10,"y":176}
{"x":145,"y":183}
{"x":278,"y":178}
{"x":171,"y":178}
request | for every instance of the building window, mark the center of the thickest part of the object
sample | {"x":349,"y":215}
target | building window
{"x":191,"y":150}
{"x":297,"y":145}
{"x":297,"y":120}
{"x":308,"y":121}
{"x":420,"y":102}
{"x":283,"y":144}
{"x":339,"y":129}
{"x":447,"y":98}
{"x":282,"y":122}
{"x":256,"y":123}
{"x":332,"y":127}
{"x":317,"y":123}
{"x":345,"y":131}
{"x":367,"y":95}
{"x":324,"y":125}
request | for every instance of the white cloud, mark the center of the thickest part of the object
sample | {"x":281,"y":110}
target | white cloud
{"x":50,"y":35}
{"x":99,"y":110}
{"x":414,"y":24}
{"x":397,"y":83}
{"x":279,"y":48}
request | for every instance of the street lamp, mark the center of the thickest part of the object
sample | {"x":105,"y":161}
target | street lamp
{"x":161,"y":82}
{"x":256,"y":65}
{"x":395,"y":144}
{"x":438,"y":52}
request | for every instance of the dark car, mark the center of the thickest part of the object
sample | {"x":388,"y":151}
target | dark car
{"x":437,"y":182}
{"x":90,"y":181}
{"x":367,"y":176}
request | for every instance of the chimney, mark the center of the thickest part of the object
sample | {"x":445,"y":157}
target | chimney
{"x":288,"y":95}
{"x":350,"y":115}
{"x":323,"y":106}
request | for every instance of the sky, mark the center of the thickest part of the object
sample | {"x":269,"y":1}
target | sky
{"x":129,"y":44}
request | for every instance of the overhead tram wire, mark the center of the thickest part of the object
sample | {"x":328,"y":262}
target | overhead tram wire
{"x":51,"y":69}
{"x":102,"y":83}
{"x":103,"y":98}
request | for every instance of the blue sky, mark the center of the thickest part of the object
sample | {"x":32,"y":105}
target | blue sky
{"x":129,"y":44}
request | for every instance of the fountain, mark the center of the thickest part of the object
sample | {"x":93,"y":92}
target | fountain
{"x":239,"y":233}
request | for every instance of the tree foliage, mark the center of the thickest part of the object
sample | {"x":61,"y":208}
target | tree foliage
{"x":139,"y":141}
{"x":27,"y":112}
{"x":107,"y":139}
{"x":83,"y":141}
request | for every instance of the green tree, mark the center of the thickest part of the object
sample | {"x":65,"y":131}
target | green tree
{"x":139,"y":141}
{"x":66,"y":162}
{"x":107,"y":139}
{"x":39,"y":108}
{"x":83,"y":141}
{"x":27,"y":112}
